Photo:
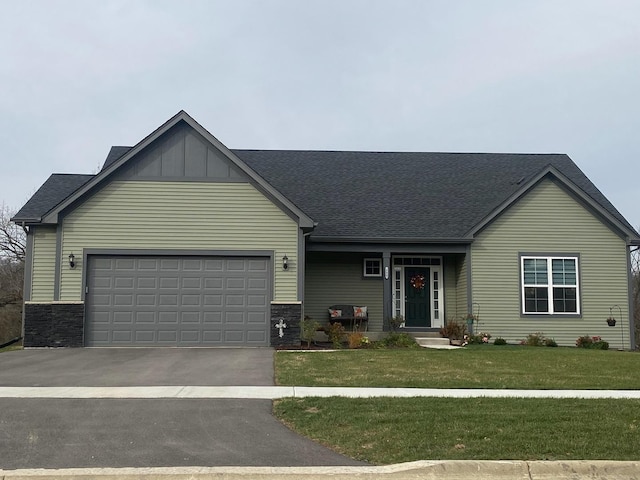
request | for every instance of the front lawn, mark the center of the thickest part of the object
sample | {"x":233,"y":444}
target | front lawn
{"x":391,"y":430}
{"x":477,"y":366}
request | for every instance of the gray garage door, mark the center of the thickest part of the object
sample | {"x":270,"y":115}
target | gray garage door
{"x":177,"y":301}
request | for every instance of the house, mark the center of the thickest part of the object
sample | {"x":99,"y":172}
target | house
{"x":180,"y":241}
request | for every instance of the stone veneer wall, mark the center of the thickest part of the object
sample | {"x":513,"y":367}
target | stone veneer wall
{"x":53,"y":324}
{"x":291,"y":314}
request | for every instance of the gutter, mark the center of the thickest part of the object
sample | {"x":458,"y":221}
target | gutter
{"x":321,"y":239}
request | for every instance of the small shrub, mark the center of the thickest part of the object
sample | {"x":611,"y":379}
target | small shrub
{"x":454,"y":330}
{"x":308,"y":327}
{"x":395,"y":322}
{"x":397,"y":340}
{"x":480,"y":338}
{"x":584,"y":342}
{"x":499,"y":341}
{"x":335,"y":332}
{"x":357,"y":340}
{"x":595,"y":343}
{"x":538,"y":340}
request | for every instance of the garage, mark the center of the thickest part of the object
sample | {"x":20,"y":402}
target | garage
{"x":177,"y":301}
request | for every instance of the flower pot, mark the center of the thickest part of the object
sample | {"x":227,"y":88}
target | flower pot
{"x":456,"y":343}
{"x":611,"y":322}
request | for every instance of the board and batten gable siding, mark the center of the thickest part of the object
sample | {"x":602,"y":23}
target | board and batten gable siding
{"x":547,"y":220}
{"x":176,"y":215}
{"x":44,"y":264}
{"x":336,"y":279}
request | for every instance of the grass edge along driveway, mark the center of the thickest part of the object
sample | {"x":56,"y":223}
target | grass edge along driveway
{"x":391,"y":430}
{"x":479,"y":366}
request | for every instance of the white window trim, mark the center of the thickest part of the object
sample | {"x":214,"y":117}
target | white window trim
{"x":371,"y":275}
{"x":549,"y":285}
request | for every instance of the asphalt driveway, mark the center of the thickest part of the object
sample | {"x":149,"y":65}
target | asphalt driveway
{"x":122,"y":367}
{"x":69,"y":433}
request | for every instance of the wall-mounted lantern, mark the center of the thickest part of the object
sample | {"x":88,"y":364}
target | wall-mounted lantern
{"x":285,"y":262}
{"x":72,"y":260}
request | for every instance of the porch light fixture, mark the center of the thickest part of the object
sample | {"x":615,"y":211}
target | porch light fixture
{"x":72,"y":260}
{"x":285,"y":262}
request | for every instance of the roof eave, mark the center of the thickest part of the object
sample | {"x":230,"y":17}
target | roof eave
{"x":333,"y":239}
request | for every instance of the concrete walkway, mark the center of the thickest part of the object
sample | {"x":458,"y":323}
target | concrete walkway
{"x":272,"y":393}
{"x":425,"y":469}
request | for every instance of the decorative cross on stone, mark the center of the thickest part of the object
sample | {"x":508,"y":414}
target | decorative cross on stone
{"x":281,"y":326}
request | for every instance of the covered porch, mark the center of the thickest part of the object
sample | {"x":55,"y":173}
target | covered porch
{"x":424,"y":284}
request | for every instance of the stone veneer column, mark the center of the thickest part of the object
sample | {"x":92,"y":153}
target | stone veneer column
{"x":290,"y":313}
{"x":53,"y":324}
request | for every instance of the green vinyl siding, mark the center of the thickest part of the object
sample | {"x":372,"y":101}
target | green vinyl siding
{"x":149,"y":215}
{"x":548,"y":221}
{"x":336,"y":278}
{"x":44,"y":264}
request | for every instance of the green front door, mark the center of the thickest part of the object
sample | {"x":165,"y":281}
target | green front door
{"x":417,"y":307}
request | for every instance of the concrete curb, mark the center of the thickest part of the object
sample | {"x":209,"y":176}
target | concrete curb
{"x":275,"y":392}
{"x":450,"y":470}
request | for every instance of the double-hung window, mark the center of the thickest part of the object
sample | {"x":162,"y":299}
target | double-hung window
{"x":550,"y":285}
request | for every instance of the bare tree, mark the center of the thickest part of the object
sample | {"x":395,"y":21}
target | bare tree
{"x":12,"y":253}
{"x":12,"y":237}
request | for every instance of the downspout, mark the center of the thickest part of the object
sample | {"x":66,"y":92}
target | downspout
{"x":632,"y":305}
{"x":26,"y":276}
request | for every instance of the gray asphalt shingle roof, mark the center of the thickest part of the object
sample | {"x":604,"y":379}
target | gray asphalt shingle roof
{"x":378,"y":195}
{"x":400,"y":195}
{"x":53,"y":191}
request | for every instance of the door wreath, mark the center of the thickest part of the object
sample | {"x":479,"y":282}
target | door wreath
{"x":417,"y":282}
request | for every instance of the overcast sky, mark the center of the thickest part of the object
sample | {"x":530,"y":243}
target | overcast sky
{"x":529,"y":76}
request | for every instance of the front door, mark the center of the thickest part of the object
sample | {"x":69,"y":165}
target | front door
{"x":417,"y":307}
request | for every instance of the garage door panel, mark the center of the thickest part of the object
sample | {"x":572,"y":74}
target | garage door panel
{"x":236,"y":265}
{"x":122,"y":336}
{"x":169,"y":282}
{"x":145,"y":318}
{"x":168,"y":264}
{"x":102,"y":300}
{"x":142,"y":283}
{"x":234,"y":336}
{"x":235,"y":300}
{"x":178,"y":301}
{"x":213,"y":317}
{"x":256,"y":300}
{"x":256,"y":336}
{"x":166,"y":300}
{"x":123,"y":300}
{"x":123,"y":318}
{"x":236,"y":284}
{"x":168,"y":318}
{"x":123,"y":264}
{"x":170,"y":336}
{"x":190,"y":300}
{"x":148,"y":264}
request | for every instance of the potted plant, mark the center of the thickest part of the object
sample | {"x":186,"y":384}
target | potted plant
{"x":611,"y":321}
{"x":454,"y":331}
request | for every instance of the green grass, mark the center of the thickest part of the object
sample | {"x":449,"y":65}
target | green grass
{"x":15,"y":346}
{"x":390,"y":430}
{"x":478,"y":366}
